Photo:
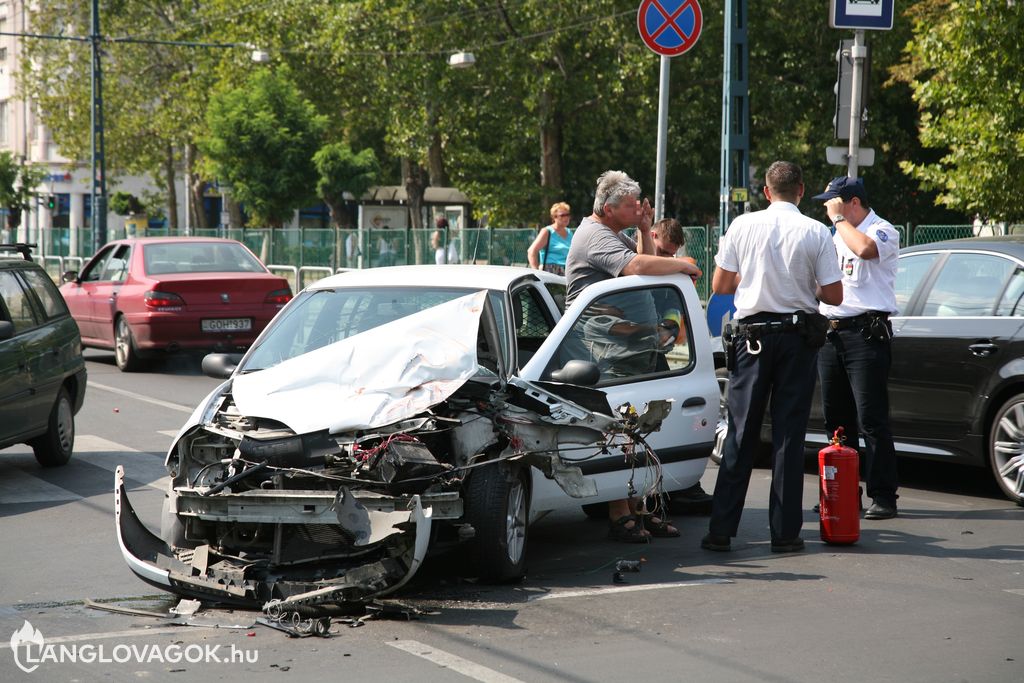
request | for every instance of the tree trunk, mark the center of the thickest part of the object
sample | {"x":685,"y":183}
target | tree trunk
{"x":235,"y":212}
{"x":172,"y":191}
{"x":435,"y":154}
{"x":551,"y":124}
{"x":195,"y":186}
{"x":415,"y":180}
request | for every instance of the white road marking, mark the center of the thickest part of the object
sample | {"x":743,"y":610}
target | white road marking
{"x":134,"y":633}
{"x":142,"y":397}
{"x":168,"y":432}
{"x":454,"y":662}
{"x":624,"y":589}
{"x":109,"y":454}
{"x":1015,"y":591}
{"x":21,"y":487}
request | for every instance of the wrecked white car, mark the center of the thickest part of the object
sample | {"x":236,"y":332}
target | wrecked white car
{"x":390,"y":411}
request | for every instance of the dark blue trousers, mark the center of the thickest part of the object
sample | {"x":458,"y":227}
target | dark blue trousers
{"x":854,"y":374}
{"x":781,"y":375}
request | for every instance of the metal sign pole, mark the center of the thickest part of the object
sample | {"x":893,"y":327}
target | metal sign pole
{"x":659,"y":181}
{"x":857,"y":54}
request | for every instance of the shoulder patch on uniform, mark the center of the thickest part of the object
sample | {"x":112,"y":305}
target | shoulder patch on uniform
{"x":882,"y":236}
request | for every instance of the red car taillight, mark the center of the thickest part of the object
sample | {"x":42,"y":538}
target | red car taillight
{"x":279,"y":296}
{"x":157,"y":299}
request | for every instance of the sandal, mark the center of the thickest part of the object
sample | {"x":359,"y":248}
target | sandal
{"x":660,"y":528}
{"x":628,"y":534}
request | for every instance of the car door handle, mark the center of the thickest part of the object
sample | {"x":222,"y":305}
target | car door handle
{"x":694,"y":401}
{"x":983,"y":349}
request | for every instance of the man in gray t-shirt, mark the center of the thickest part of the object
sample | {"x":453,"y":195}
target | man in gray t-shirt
{"x":622,"y":332}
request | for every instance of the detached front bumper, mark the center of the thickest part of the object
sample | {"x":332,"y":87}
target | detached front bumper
{"x":389,"y":544}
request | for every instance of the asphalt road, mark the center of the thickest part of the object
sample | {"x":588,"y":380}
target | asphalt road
{"x":936,"y":594}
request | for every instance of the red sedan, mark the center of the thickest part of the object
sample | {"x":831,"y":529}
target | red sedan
{"x":142,"y":296}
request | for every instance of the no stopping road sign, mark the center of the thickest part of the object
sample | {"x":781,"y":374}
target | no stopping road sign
{"x":669,"y":27}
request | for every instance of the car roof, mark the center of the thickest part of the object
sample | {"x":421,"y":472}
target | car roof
{"x":464,"y":276}
{"x":171,"y":239}
{"x":1012,"y":245}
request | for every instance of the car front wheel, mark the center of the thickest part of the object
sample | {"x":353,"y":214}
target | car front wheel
{"x":54,"y":448}
{"x":497,"y":505}
{"x":1006,"y":448}
{"x":125,"y":354}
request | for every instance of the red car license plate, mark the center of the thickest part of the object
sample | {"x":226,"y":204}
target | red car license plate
{"x":227,"y":325}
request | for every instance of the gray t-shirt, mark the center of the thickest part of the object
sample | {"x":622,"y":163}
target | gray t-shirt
{"x":597,"y":253}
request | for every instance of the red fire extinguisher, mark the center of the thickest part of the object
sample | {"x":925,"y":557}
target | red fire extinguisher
{"x":839,"y":491}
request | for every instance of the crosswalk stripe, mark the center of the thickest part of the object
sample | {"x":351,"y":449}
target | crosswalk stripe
{"x":138,"y":466}
{"x":17,"y":486}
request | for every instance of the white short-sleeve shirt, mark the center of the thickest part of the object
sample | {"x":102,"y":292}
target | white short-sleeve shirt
{"x":868,"y":284}
{"x":781,"y":257}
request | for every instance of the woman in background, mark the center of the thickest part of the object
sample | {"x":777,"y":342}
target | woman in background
{"x":551,"y":246}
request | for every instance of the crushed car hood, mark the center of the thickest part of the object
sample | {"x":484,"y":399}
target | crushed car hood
{"x":381,"y":376}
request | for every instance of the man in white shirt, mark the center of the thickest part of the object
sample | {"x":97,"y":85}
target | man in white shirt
{"x":854,"y":365}
{"x":779,"y":264}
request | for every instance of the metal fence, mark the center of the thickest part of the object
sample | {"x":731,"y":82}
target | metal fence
{"x":306,"y":254}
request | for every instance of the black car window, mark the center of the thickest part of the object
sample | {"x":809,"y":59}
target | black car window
{"x":1011,"y":304}
{"x":116,"y":267}
{"x":533,"y":323}
{"x":17,"y":302}
{"x":47,"y":292}
{"x":911,"y":271}
{"x":629,"y":335}
{"x":199,"y":257}
{"x":968,"y":285}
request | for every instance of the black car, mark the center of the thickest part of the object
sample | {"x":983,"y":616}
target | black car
{"x":42,"y":372}
{"x":956,"y":387}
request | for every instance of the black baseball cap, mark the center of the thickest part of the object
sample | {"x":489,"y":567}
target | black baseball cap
{"x":843,"y":187}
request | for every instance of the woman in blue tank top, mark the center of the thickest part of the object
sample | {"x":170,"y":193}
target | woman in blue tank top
{"x":551,"y":246}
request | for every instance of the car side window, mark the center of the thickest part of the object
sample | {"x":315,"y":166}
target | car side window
{"x":532,"y":321}
{"x":1011,"y":304}
{"x":17,"y":302}
{"x":639,"y":333}
{"x":911,"y":271}
{"x":116,"y":267}
{"x":968,"y":285}
{"x":94,"y":271}
{"x":47,"y":292}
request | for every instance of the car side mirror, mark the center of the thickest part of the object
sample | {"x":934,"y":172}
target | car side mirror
{"x":69,"y":276}
{"x":580,"y":372}
{"x":220,"y":365}
{"x":6,"y":329}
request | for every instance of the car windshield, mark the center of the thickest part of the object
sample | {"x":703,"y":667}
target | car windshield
{"x":199,"y":257}
{"x":320,"y":317}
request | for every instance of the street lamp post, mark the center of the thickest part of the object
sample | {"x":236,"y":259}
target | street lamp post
{"x":99,"y":171}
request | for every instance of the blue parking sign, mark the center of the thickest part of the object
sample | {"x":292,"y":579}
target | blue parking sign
{"x":861,"y":14}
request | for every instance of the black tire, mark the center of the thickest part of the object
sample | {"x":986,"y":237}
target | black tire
{"x":125,"y":354}
{"x":498,"y":507}
{"x":1006,"y":447}
{"x":598,"y":511}
{"x":54,"y":448}
{"x":722,"y":375}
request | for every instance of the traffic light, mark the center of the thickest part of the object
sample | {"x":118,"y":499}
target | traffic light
{"x":844,"y":88}
{"x":51,"y":202}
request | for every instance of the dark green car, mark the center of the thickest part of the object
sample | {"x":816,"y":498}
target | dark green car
{"x":42,"y":373}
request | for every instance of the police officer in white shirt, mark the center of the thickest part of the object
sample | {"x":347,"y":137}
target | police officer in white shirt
{"x":854,"y":365}
{"x":779,"y":263}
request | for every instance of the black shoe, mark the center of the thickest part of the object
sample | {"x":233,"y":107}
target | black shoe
{"x":880,"y":510}
{"x":721,"y":544}
{"x":787,"y":545}
{"x":692,"y":501}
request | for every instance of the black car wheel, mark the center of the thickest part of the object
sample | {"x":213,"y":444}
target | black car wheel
{"x":125,"y":354}
{"x":497,"y":505}
{"x":1006,"y":448}
{"x":54,"y":448}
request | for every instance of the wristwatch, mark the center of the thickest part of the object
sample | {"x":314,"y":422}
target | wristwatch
{"x":838,"y":218}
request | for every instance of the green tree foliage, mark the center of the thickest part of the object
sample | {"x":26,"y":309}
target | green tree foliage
{"x":340,"y":171}
{"x":964,"y":67}
{"x":18,"y":182}
{"x":262,"y":139}
{"x":125,"y":204}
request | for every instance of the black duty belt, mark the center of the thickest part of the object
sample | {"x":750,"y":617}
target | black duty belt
{"x":767,"y":323}
{"x":857,"y":321}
